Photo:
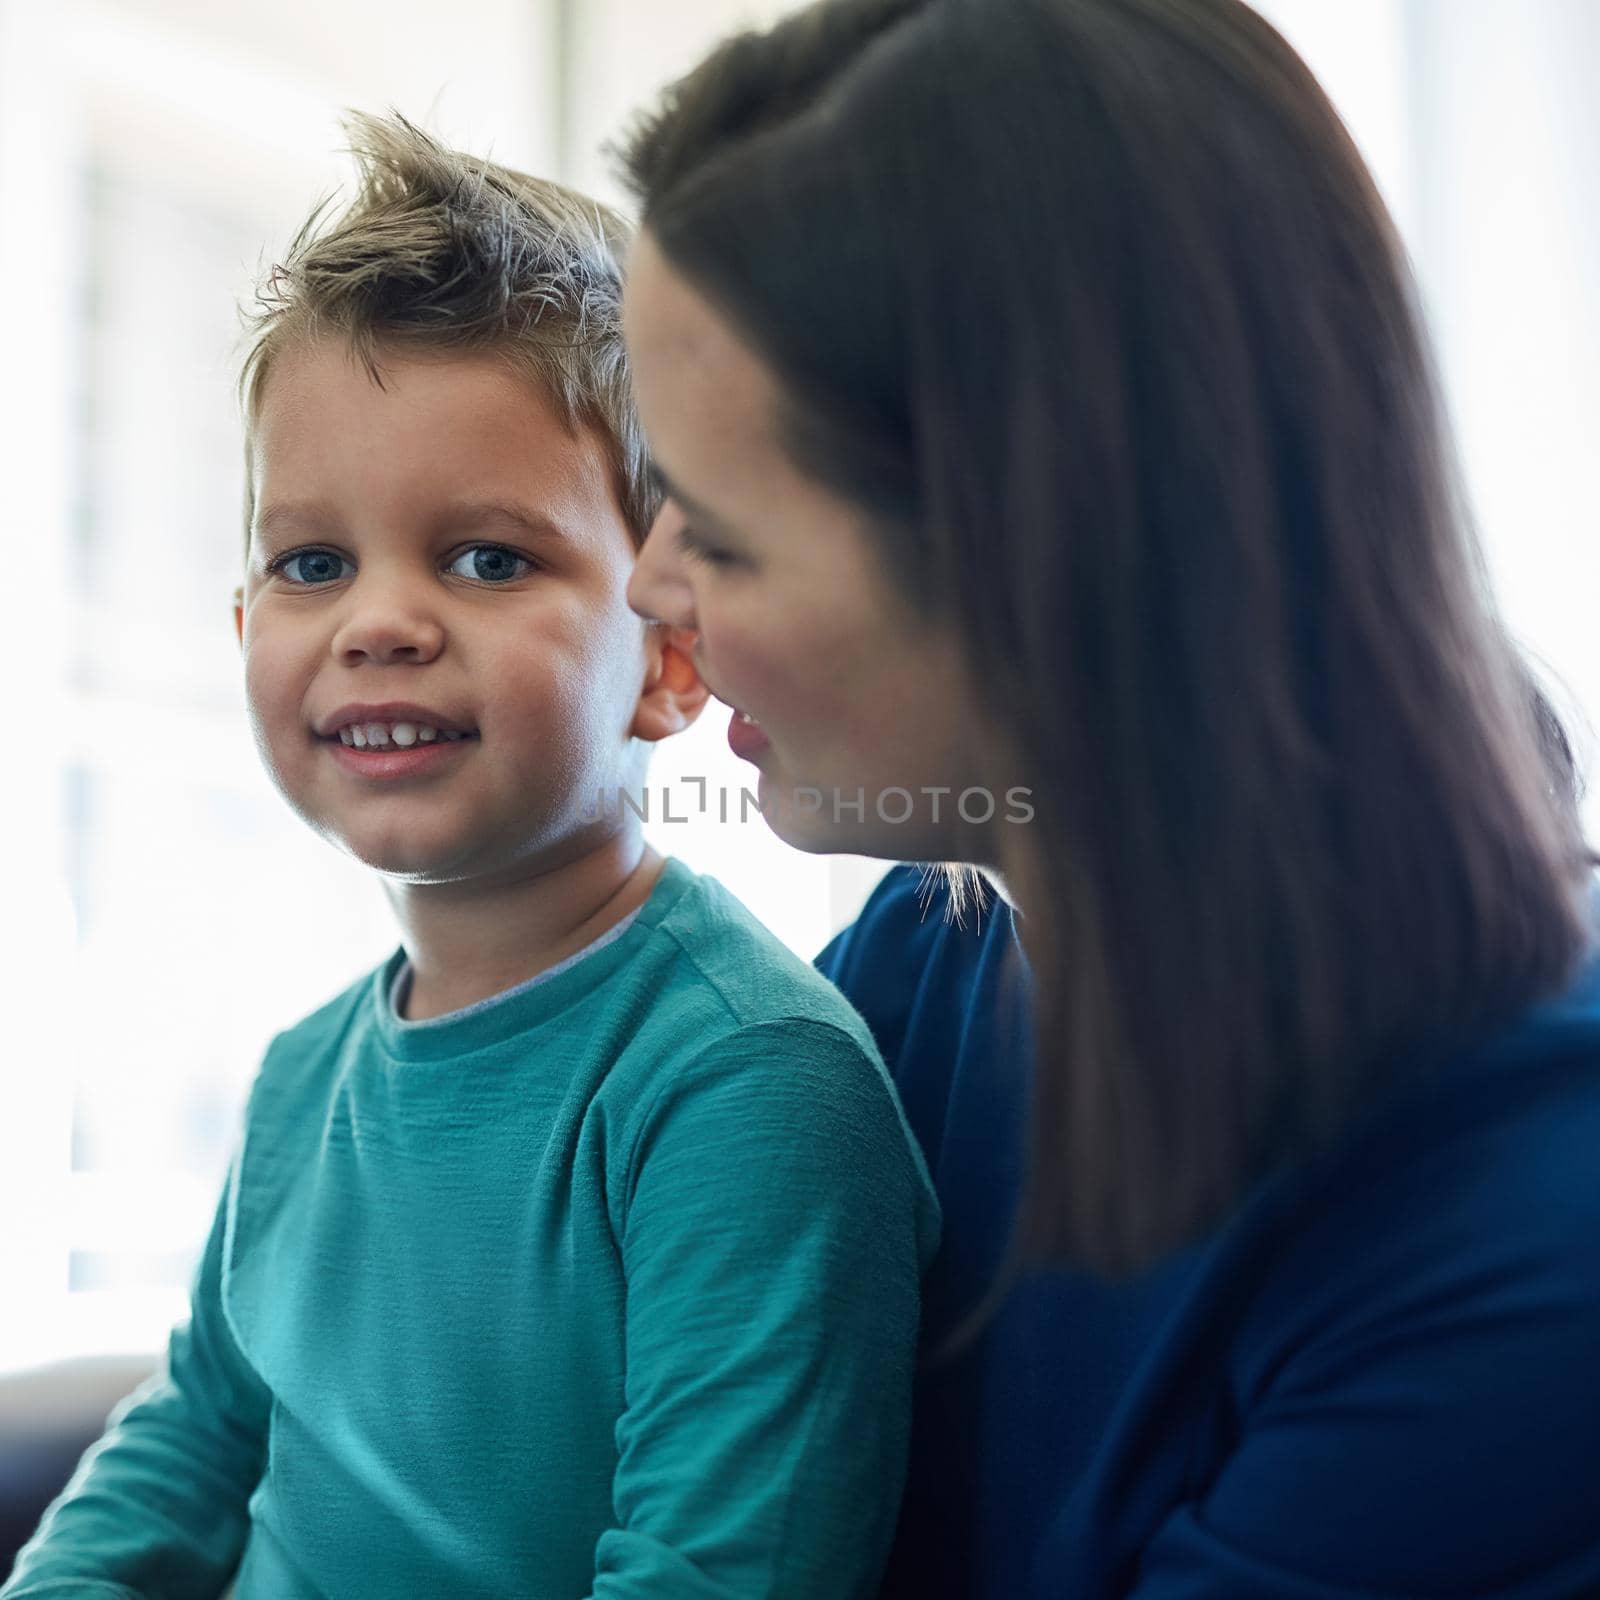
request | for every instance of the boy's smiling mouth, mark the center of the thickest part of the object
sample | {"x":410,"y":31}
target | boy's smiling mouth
{"x":379,"y":723}
{"x":393,"y":740}
{"x":380,"y":735}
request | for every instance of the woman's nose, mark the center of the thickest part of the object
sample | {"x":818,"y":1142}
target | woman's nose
{"x":659,"y":588}
{"x":387,"y":624}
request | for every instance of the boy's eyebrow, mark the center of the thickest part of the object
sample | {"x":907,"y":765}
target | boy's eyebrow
{"x":511,"y":518}
{"x":294,"y":517}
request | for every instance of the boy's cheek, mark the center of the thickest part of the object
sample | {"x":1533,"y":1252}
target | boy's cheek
{"x":268,"y":683}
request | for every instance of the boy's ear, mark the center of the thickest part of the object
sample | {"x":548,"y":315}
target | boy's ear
{"x":673,"y":694}
{"x":238,"y":615}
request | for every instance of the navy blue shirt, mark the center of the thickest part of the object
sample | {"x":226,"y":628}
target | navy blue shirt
{"x":1378,"y":1379}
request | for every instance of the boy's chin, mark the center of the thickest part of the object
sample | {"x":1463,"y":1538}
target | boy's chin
{"x":410,"y":860}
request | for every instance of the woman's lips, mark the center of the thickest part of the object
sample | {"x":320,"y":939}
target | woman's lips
{"x":745,"y":737}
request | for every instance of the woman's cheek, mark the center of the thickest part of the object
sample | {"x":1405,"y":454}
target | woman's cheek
{"x":764,"y":672}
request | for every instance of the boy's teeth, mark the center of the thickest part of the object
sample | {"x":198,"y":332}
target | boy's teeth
{"x":382,"y":735}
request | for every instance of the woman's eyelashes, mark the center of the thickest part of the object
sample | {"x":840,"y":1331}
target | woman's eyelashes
{"x":487,"y":564}
{"x":695,"y":548}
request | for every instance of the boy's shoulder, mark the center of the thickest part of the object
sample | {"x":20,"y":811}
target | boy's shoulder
{"x":737,"y":1043}
{"x":334,"y":1016}
{"x":305,"y":1049}
{"x":740,"y":972}
{"x":725,"y":1008}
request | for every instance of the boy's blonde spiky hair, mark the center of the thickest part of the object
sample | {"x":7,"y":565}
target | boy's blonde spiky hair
{"x":441,"y":251}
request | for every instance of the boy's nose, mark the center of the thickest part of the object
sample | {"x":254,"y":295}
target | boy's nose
{"x":659,"y":588}
{"x":387,"y":631}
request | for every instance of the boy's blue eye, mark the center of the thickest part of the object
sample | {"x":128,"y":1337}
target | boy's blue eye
{"x":310,"y":567}
{"x":489,"y":563}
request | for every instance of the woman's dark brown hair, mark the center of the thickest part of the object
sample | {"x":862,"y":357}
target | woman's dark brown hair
{"x":1094,"y":306}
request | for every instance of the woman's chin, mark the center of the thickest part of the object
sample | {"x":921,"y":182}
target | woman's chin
{"x":889,"y":825}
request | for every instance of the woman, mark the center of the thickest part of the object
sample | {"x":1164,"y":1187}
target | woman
{"x":1049,"y":442}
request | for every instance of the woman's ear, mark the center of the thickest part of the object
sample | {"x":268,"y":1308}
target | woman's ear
{"x":238,"y":615}
{"x":673,"y":694}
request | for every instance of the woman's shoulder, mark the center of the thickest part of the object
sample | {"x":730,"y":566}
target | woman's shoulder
{"x":1404,"y":1400}
{"x":900,"y":924}
{"x":1428,"y":1326}
{"x":1483,"y":1172}
{"x":913,"y":958}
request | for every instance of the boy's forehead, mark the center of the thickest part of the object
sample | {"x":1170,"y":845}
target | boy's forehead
{"x":317,"y":374}
{"x":449,"y":441}
{"x":415,"y":417}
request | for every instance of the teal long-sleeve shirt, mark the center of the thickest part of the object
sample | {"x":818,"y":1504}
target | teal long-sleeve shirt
{"x":608,"y":1288}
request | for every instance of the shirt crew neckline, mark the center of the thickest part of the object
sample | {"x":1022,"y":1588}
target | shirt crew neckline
{"x":400,"y":988}
{"x":528,"y":1005}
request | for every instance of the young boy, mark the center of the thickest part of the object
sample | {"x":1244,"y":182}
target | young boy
{"x":575,"y":1251}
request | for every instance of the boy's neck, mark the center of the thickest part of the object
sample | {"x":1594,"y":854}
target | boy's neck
{"x":469,"y":942}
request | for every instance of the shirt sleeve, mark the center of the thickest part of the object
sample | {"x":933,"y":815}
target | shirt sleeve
{"x":1434,"y":1425}
{"x":1371,"y":1490}
{"x":159,"y":1505}
{"x":774,"y":1232}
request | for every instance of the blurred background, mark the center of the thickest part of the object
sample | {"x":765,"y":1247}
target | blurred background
{"x":163,"y":912}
